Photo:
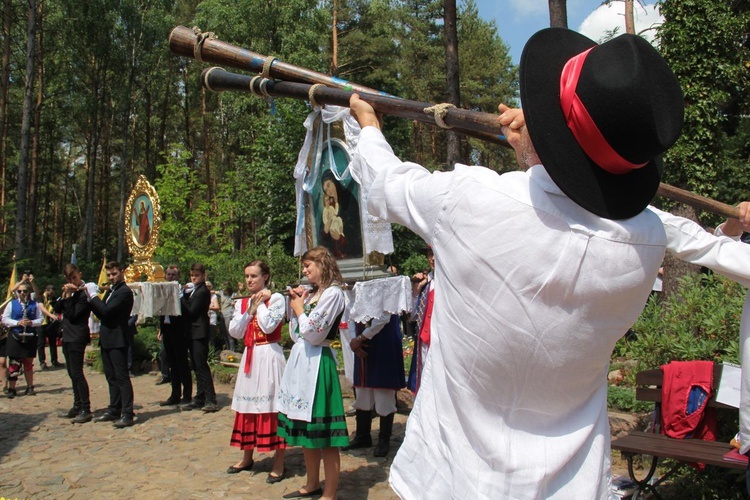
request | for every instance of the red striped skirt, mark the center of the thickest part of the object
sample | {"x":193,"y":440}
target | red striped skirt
{"x":256,"y":430}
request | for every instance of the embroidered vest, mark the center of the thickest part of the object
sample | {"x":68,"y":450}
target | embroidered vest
{"x":17,"y":312}
{"x":255,"y":336}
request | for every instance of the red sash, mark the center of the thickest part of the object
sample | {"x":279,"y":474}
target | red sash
{"x":254,"y":335}
{"x":424,"y":333}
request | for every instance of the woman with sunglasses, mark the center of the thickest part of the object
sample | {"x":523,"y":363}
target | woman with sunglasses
{"x":22,"y":317}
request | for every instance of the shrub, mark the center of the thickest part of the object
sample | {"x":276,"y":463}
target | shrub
{"x":623,"y":399}
{"x":146,"y":346}
{"x":700,"y":321}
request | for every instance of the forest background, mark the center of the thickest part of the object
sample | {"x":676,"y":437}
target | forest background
{"x":91,"y":98}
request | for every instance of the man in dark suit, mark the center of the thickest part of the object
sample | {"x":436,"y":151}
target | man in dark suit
{"x":75,"y":309}
{"x":196,"y":300}
{"x":114,"y":312}
{"x":176,"y":339}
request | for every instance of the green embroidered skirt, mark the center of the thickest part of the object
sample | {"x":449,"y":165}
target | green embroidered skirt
{"x":328,"y":426}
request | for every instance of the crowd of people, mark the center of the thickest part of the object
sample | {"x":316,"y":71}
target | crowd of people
{"x":534,"y":276}
{"x":278,"y":403}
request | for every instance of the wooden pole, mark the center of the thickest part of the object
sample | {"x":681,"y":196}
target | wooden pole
{"x":698,"y":201}
{"x":204,"y":47}
{"x":474,"y":123}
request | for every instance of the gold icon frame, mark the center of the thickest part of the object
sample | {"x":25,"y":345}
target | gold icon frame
{"x":143,"y":195}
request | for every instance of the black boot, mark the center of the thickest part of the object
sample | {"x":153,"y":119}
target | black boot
{"x":362,"y":438}
{"x":384,"y":437}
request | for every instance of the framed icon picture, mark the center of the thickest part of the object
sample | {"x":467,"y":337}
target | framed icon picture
{"x":142,"y":220}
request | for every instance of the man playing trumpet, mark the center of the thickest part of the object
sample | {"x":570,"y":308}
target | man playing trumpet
{"x":75,"y":309}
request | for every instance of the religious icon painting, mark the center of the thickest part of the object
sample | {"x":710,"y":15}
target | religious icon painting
{"x":142,"y":220}
{"x":334,"y":200}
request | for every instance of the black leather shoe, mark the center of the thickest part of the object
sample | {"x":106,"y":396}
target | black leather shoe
{"x":72,"y":413}
{"x":12,"y":393}
{"x":210,"y":408}
{"x":170,"y":402}
{"x":234,"y":470}
{"x":124,"y":422}
{"x":106,"y":417}
{"x":163,"y":380}
{"x":191,"y":406}
{"x":271,"y":479}
{"x":57,"y":365}
{"x":299,"y":494}
{"x":83,"y":417}
{"x":382,"y":449}
{"x":30,"y":391}
{"x":357,"y":442}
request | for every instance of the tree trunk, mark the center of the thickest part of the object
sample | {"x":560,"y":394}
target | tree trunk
{"x":675,"y":268}
{"x":453,"y":149}
{"x":127,"y":155}
{"x":150,"y":168}
{"x":558,"y":14}
{"x":629,"y":17}
{"x":4,"y":89}
{"x":335,"y":41}
{"x":188,"y":133}
{"x":23,"y":163}
{"x":92,"y":147}
{"x":207,"y":151}
{"x":162,"y":142}
{"x":35,"y":147}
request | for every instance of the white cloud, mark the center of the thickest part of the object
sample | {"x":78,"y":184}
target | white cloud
{"x":530,"y":8}
{"x":608,"y":17}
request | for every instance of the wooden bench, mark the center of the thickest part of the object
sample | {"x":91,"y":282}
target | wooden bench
{"x":659,"y":446}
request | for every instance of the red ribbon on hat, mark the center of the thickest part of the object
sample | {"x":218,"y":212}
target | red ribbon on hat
{"x":581,"y":124}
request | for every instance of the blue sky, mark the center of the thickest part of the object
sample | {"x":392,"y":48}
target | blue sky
{"x":517,"y":20}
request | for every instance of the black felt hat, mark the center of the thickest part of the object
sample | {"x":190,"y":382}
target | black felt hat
{"x":600,"y":128}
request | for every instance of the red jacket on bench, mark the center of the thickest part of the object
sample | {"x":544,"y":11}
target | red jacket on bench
{"x":686,"y":389}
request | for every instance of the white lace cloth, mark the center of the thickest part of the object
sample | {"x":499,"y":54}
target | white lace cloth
{"x":376,"y":232}
{"x":373,"y":298}
{"x":155,"y":299}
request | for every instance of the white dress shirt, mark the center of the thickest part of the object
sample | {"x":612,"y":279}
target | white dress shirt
{"x":532,"y":292}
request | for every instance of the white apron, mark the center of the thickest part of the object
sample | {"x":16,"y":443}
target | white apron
{"x":297,"y":392}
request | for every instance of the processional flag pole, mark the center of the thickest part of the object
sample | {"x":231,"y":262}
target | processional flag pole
{"x":286,"y":80}
{"x":12,"y":281}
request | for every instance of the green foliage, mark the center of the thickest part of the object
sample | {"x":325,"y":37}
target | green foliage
{"x":416,"y":263}
{"x":711,"y":67}
{"x":622,"y":398}
{"x":146,"y":345}
{"x":700,"y":321}
{"x":713,"y":483}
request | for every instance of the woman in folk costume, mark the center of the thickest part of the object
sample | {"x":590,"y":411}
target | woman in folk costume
{"x":258,"y":320}
{"x":311,"y":411}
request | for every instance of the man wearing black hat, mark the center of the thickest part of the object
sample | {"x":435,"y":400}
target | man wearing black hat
{"x":547,"y":269}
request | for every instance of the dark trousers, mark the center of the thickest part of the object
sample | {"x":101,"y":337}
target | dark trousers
{"x":176,"y":347}
{"x":50,"y":332}
{"x":199,"y":355}
{"x":74,"y":353}
{"x":164,"y":361}
{"x":118,"y":379}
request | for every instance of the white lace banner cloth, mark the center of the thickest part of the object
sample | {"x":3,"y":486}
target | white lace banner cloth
{"x":155,"y":299}
{"x":374,"y":297}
